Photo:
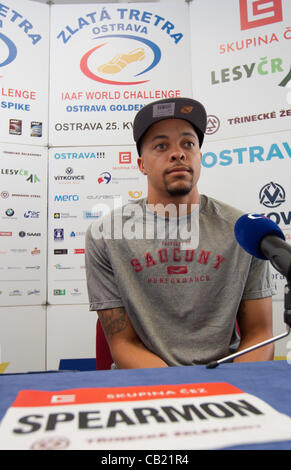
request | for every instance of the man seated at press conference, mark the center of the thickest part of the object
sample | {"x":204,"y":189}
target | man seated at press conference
{"x":160,"y":301}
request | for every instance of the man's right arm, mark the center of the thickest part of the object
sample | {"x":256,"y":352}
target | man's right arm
{"x":127,"y":351}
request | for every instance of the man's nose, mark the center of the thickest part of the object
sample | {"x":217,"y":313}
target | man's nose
{"x":177,"y":155}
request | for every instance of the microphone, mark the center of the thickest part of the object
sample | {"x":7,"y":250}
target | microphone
{"x":263,"y":239}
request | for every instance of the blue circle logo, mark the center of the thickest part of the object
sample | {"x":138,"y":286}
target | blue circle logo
{"x":12,"y":50}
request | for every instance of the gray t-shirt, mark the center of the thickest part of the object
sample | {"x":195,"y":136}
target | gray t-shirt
{"x":182,"y":301}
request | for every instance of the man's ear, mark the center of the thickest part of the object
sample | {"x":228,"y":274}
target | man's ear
{"x":141,"y":167}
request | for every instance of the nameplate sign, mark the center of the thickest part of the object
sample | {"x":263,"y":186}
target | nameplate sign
{"x":187,"y":416}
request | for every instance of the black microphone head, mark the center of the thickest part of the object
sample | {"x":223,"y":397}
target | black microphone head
{"x":250,"y":229}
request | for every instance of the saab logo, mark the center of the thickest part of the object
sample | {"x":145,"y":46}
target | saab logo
{"x":134,"y":56}
{"x":125,"y":157}
{"x":272,"y":195}
{"x":9,"y":55}
{"x":67,"y":197}
{"x":256,"y":13}
{"x":23,"y":234}
{"x":177,"y":269}
{"x":104,"y":177}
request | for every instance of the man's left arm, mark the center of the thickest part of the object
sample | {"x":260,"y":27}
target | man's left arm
{"x":255,"y":321}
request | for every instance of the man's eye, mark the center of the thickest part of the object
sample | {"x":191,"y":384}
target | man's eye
{"x":190,"y":144}
{"x":160,"y":146}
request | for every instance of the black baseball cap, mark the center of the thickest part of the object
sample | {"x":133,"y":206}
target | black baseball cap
{"x":170,"y":108}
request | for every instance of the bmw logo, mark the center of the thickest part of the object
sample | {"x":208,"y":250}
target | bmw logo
{"x":9,"y":212}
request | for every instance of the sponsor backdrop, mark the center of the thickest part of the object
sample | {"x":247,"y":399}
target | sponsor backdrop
{"x":69,"y":158}
{"x":24,"y":65}
{"x":24,"y":80}
{"x":85,"y":184}
{"x":23,"y":219}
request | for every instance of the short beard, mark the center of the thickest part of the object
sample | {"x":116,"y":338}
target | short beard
{"x":180,"y":190}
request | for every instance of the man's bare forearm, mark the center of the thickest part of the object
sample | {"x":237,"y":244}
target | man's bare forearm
{"x":255,"y":322}
{"x":135,"y":356}
{"x":265,"y":353}
{"x":113,"y":321}
{"x":127,"y":351}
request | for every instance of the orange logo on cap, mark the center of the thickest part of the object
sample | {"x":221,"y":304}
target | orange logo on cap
{"x":186,"y":109}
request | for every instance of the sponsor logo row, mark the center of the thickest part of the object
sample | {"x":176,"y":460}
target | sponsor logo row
{"x":271,"y":196}
{"x":21,"y":234}
{"x":15,"y":125}
{"x":20,"y":293}
{"x":20,"y":251}
{"x":11,"y":213}
{"x":134,"y":194}
{"x":37,"y":267}
{"x":74,"y":292}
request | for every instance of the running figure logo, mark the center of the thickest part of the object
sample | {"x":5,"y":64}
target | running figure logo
{"x":120,"y":61}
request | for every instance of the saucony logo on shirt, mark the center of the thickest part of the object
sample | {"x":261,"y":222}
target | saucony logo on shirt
{"x":176,"y":255}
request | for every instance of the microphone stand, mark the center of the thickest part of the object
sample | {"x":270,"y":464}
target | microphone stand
{"x":287,"y":320}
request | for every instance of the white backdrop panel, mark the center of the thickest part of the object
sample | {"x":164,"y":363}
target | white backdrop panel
{"x":241,"y":65}
{"x":107,"y":61}
{"x":23,"y":338}
{"x":23,"y":217}
{"x":71,"y":333}
{"x":24,"y":72}
{"x":85,"y":184}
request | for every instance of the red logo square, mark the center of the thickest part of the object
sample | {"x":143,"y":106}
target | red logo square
{"x":255,"y":13}
{"x":125,"y":157}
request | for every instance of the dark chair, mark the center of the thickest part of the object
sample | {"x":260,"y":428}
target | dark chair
{"x":103,"y":355}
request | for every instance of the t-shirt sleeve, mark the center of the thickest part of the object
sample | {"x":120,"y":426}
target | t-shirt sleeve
{"x":102,"y":289}
{"x":259,"y":281}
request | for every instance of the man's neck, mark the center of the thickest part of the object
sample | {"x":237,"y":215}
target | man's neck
{"x":173,"y":206}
